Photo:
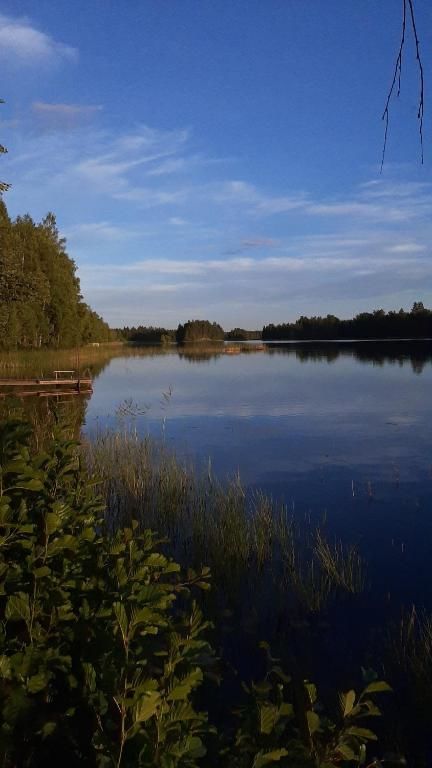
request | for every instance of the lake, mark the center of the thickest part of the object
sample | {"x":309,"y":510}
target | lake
{"x":341,"y":432}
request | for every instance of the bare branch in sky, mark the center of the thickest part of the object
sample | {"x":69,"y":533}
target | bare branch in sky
{"x":407,"y":16}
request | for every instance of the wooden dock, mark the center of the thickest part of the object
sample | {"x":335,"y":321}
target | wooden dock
{"x":64,"y":382}
{"x":46,"y":382}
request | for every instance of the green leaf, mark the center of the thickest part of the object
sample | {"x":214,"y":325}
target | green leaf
{"x":182,"y":691}
{"x":346,"y":752}
{"x":265,"y":758}
{"x":63,"y":542}
{"x":269,"y":715}
{"x":156,"y":560}
{"x":377,"y":687}
{"x":311,"y":691}
{"x":361,"y":733}
{"x":147,"y":706}
{"x":37,"y":683}
{"x":39,"y":573}
{"x":18,"y":607}
{"x":52,"y":522}
{"x":5,"y":667}
{"x":48,"y":729}
{"x":347,"y":701}
{"x":121,"y":616}
{"x":195,"y":748}
{"x":286,"y":709}
{"x":30,"y":485}
{"x":89,"y":676}
{"x":313,"y":721}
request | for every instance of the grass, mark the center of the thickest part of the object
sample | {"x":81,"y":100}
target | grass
{"x":242,"y":536}
{"x":42,"y":362}
{"x":410,"y":645}
{"x":409,"y":668}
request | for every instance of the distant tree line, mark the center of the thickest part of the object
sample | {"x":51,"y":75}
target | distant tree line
{"x":240,"y":334}
{"x":146,"y":335}
{"x":193,"y":330}
{"x":367,"y":325}
{"x":199,"y":330}
{"x":40,"y":299}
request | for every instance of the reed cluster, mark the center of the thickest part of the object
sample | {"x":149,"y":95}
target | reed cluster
{"x":242,"y":535}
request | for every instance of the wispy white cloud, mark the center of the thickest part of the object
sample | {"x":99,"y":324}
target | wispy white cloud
{"x":194,"y":238}
{"x":55,"y":117}
{"x":407,"y":248}
{"x":271,"y":265}
{"x":24,"y":44}
{"x":100,"y":230}
{"x":112,"y":169}
{"x":366,"y":204}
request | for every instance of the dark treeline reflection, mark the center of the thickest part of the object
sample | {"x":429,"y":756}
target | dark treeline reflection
{"x":416,"y":353}
{"x":200,"y":354}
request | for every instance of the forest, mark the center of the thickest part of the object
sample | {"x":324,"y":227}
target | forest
{"x":142,"y":334}
{"x":193,"y":330}
{"x":40,"y":299}
{"x":155,"y":335}
{"x":366,"y":325}
{"x":199,"y":330}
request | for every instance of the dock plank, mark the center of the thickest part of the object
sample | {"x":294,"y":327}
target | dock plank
{"x":45,"y":382}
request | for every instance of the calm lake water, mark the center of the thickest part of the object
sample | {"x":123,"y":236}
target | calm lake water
{"x":341,"y":432}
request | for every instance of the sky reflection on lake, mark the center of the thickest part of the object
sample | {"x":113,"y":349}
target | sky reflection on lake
{"x":281,"y":411}
{"x":339,"y":432}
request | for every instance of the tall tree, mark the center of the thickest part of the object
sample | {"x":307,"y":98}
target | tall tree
{"x":40,"y":296}
{"x":4,"y":186}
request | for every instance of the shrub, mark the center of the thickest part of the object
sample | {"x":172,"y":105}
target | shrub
{"x":100,"y":647}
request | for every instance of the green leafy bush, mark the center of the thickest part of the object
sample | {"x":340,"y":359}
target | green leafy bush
{"x":100,"y":651}
{"x":282,"y":721}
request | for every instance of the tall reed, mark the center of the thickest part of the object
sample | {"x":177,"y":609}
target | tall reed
{"x":240,"y":535}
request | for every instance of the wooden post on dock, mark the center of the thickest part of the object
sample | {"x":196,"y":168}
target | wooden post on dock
{"x":79,"y":370}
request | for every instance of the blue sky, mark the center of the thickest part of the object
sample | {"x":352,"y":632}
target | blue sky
{"x":221,"y":158}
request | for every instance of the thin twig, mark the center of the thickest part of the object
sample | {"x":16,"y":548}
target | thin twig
{"x":420,"y":111}
{"x":397,"y":76}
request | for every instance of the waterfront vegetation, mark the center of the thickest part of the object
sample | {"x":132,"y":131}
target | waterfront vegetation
{"x":106,"y":656}
{"x":237,"y":534}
